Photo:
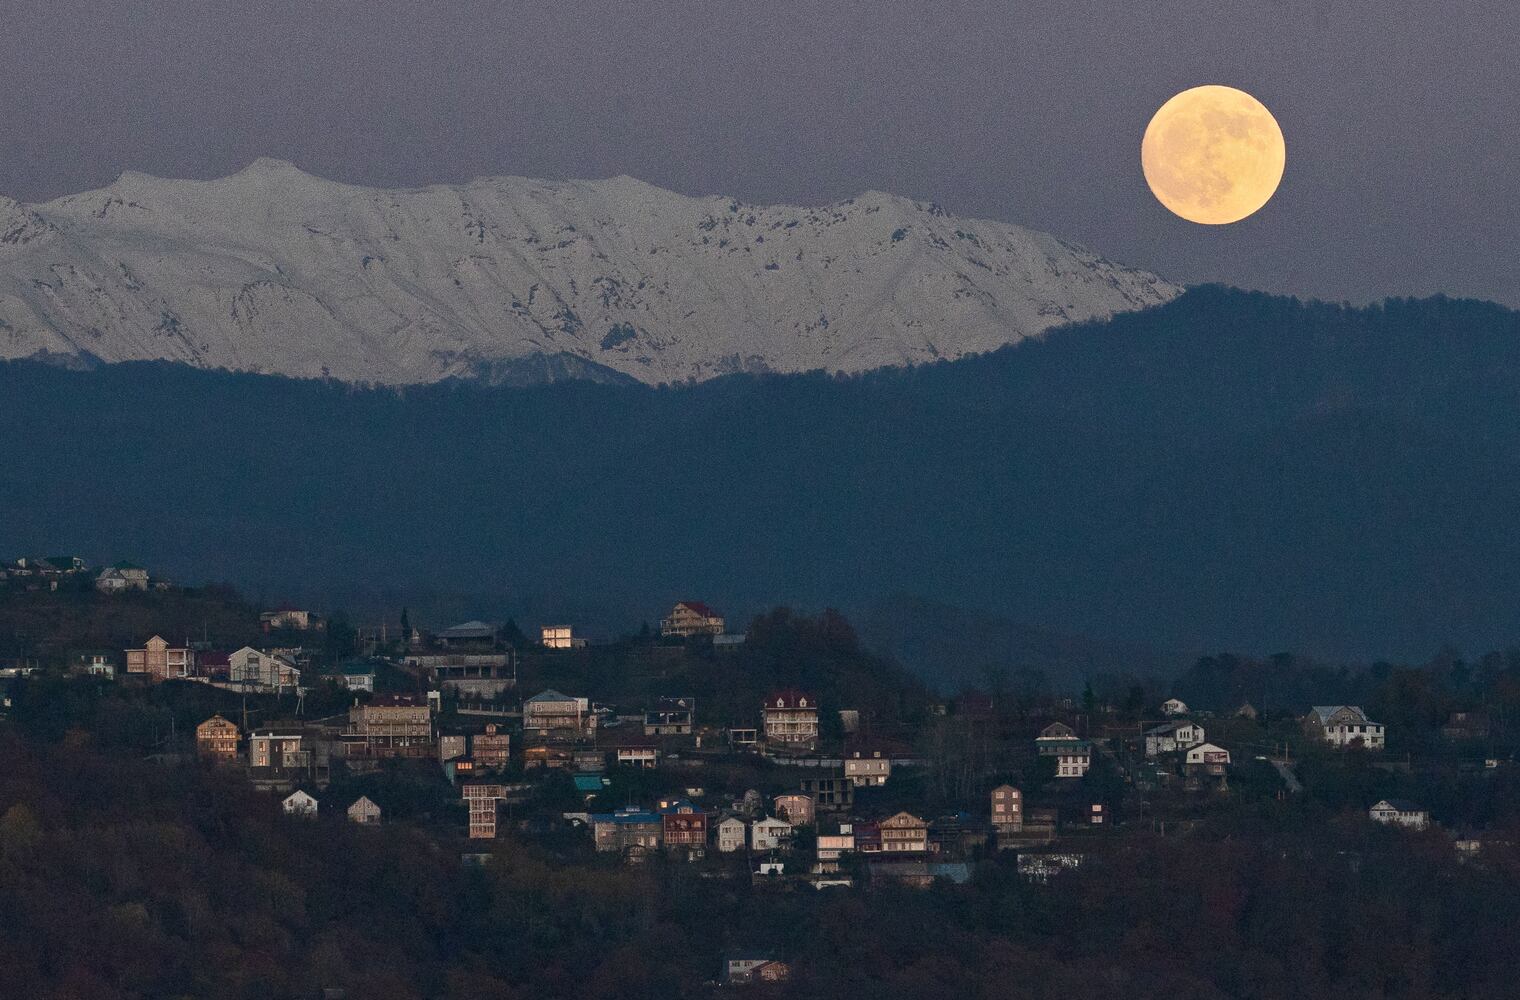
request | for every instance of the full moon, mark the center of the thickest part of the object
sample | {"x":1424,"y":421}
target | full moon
{"x":1213,"y":155}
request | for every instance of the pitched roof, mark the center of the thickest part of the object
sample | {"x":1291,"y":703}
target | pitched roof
{"x":699,"y":608}
{"x":469,"y":630}
{"x":1401,"y":805}
{"x":549,"y":695}
{"x":790,"y":698}
{"x":1322,"y":713}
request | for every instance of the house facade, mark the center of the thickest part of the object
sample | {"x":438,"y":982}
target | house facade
{"x":769,"y":834}
{"x":216,"y":740}
{"x":732,"y":833}
{"x":159,"y":661}
{"x":1174,"y":706}
{"x":395,"y":725}
{"x":795,"y":808}
{"x":1007,"y":810}
{"x":492,"y":748}
{"x":363,"y":811}
{"x":791,"y":720}
{"x":1170,"y":737}
{"x":670,"y":717}
{"x":1073,"y":756}
{"x":279,"y":750}
{"x":904,"y":833}
{"x":628,"y":830}
{"x":300,"y":804}
{"x":1344,"y":726}
{"x":683,"y":826}
{"x":550,"y":711}
{"x":1400,"y":812}
{"x":261,"y":671}
{"x":867,"y":767}
{"x":121,"y":577}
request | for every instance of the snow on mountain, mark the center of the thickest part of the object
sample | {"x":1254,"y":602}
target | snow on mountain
{"x":274,"y":270}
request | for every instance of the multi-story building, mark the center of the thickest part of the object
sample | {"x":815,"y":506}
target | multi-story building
{"x":634,"y":750}
{"x":831,"y":792}
{"x":835,"y":841}
{"x":390,"y":725}
{"x":791,"y":720}
{"x":279,"y":750}
{"x":480,"y":799}
{"x":216,"y":739}
{"x":158,"y":661}
{"x":690,"y":618}
{"x":1344,"y":726}
{"x":123,"y":576}
{"x":769,"y":833}
{"x":1007,"y":810}
{"x":904,"y":833}
{"x":492,"y":748}
{"x":867,"y":766}
{"x":1073,"y":756}
{"x":732,"y":833}
{"x":627,"y":829}
{"x":261,"y":671}
{"x":670,"y":717}
{"x":285,"y":618}
{"x":550,"y":712}
{"x":683,"y":826}
{"x":1170,"y":737}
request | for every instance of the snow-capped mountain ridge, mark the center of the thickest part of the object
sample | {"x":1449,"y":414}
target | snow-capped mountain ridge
{"x":274,"y":270}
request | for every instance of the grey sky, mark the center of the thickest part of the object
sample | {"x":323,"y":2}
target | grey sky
{"x":1401,"y":115}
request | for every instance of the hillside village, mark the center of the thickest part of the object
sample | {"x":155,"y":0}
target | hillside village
{"x":779,"y":753}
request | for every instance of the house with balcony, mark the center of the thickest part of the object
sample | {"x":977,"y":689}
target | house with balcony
{"x":689,"y":618}
{"x":1170,"y":737}
{"x":1400,"y":812}
{"x":791,"y":720}
{"x":732,"y":832}
{"x":217,"y":740}
{"x":257,"y":670}
{"x":159,"y":661}
{"x":551,"y":713}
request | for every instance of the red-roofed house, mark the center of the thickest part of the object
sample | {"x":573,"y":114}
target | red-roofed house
{"x":689,"y":618}
{"x":791,"y":719}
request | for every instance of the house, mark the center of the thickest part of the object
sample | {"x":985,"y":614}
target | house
{"x":958,"y":834}
{"x":261,"y":671}
{"x":457,"y":769}
{"x":867,"y":766}
{"x":472,"y":634}
{"x":769,"y":834}
{"x":1174,"y":706}
{"x":830,"y":792}
{"x":1007,"y":810}
{"x":493,"y":748}
{"x":121,"y":577}
{"x":742,"y":738}
{"x":1169,"y":737}
{"x":743,"y":970}
{"x":216,"y":740}
{"x":389,"y":725}
{"x":559,"y":637}
{"x":158,"y":661}
{"x":94,"y":663}
{"x":1073,"y":756}
{"x":627,"y":830}
{"x":835,"y":840}
{"x":670,"y":717}
{"x":451,"y":745}
{"x":357,"y":675}
{"x":904,"y":833}
{"x":634,"y":750}
{"x":683,"y":826}
{"x":285,"y":618}
{"x":591,"y":760}
{"x":280,"y":750}
{"x":689,"y":618}
{"x":791,"y":720}
{"x":550,"y":711}
{"x":732,"y":833}
{"x":1096,"y":814}
{"x":795,"y":808}
{"x":1400,"y":812}
{"x":298,"y":803}
{"x":472,"y":676}
{"x":1343,"y":726}
{"x":480,"y":799}
{"x":1247,"y":711}
{"x":363,"y":811}
{"x":1206,"y":764}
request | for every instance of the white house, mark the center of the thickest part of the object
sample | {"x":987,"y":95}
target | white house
{"x":1207,"y":758}
{"x":1174,"y":706}
{"x":1169,"y":737}
{"x":769,"y":833}
{"x":1073,"y":756}
{"x":731,"y":835}
{"x":122,"y":576}
{"x":298,"y":803}
{"x":363,"y":811}
{"x":1343,"y":726}
{"x":262,"y":671}
{"x":1400,"y":812}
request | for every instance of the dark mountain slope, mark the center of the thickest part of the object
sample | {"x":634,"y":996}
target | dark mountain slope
{"x":1229,"y":470}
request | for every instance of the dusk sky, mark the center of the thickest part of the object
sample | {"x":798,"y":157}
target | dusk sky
{"x":1401,"y":116}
